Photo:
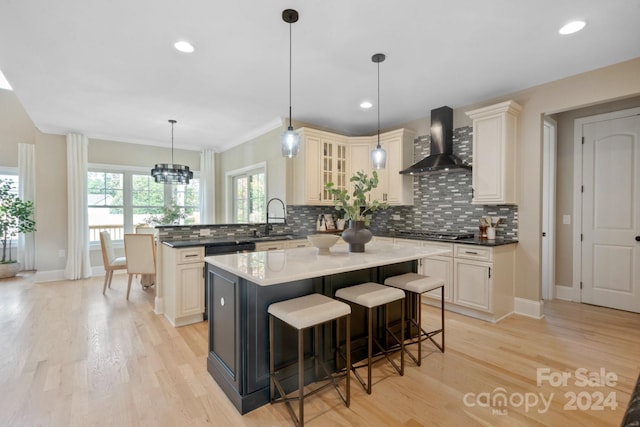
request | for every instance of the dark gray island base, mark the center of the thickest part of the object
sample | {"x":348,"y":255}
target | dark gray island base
{"x":238,"y":357}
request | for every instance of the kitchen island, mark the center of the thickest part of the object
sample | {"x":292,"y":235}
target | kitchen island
{"x":242,"y":286}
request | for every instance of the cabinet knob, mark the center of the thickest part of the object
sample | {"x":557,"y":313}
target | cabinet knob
{"x":637,"y":238}
{"x":222,"y":302}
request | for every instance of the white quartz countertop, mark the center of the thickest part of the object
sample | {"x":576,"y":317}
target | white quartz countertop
{"x":281,"y":266}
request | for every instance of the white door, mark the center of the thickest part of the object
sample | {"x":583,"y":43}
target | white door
{"x":611,"y":213}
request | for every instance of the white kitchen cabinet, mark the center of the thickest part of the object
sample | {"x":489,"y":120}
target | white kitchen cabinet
{"x":483,"y":278}
{"x":270,"y":246}
{"x":322,"y":158}
{"x":183,"y":281}
{"x":298,"y":243}
{"x":478,"y":280}
{"x":396,"y":189}
{"x":393,"y":188}
{"x":494,"y":153}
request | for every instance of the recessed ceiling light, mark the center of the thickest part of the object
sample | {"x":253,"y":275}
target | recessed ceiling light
{"x":572,"y":27}
{"x":366,"y":104}
{"x":185,"y":47}
{"x":4,"y":84}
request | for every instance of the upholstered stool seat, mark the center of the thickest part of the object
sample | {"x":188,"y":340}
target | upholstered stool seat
{"x":416,"y":285}
{"x":309,"y":311}
{"x":372,"y":296}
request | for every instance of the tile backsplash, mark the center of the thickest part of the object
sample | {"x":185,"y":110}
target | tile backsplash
{"x":442,"y":200}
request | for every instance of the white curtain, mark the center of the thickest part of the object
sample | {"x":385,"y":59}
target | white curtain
{"x":78,"y":263}
{"x":27,"y":191}
{"x":207,"y":187}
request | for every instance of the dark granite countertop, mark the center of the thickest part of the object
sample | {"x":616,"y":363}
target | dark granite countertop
{"x":220,"y":241}
{"x":470,"y":241}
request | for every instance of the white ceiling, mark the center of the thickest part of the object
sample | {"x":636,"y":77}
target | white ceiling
{"x":108,"y":69}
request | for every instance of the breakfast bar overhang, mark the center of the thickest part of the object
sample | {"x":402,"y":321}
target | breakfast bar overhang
{"x":241,"y":287}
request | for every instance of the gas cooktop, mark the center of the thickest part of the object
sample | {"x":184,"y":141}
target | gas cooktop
{"x":440,"y":235}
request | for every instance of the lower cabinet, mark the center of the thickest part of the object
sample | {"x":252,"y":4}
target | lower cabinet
{"x":478,"y":280}
{"x":270,"y":246}
{"x":183,"y":282}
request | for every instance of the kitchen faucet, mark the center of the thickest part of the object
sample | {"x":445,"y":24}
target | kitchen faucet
{"x":268,"y":227}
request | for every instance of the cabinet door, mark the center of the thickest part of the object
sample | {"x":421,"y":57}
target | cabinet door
{"x":224,"y":325}
{"x":494,"y":150}
{"x":312,"y":185}
{"x":190,"y":292}
{"x":442,"y":267}
{"x":333,"y":167}
{"x":472,"y":284}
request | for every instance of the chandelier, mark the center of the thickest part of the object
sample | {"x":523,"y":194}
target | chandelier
{"x":171,"y":173}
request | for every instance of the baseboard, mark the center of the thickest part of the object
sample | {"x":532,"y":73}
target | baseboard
{"x":529,"y":308}
{"x":49,"y":276}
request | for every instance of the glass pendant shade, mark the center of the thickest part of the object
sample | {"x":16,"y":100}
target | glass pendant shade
{"x":171,"y":173}
{"x":290,"y":141}
{"x":379,"y":157}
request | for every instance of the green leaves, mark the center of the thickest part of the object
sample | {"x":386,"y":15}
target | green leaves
{"x":355,"y":205}
{"x":16,"y":216}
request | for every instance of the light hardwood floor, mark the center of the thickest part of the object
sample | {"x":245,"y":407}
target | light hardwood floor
{"x":71,"y":356}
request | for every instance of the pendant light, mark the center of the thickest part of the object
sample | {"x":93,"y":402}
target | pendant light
{"x":378,"y":155}
{"x":290,"y":139}
{"x":171,"y":173}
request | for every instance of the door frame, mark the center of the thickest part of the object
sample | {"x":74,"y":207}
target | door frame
{"x":577,"y":190}
{"x":549,"y":207}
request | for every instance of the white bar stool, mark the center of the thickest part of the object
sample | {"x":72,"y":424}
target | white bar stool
{"x":416,"y":285}
{"x":374,"y":295}
{"x":309,"y":311}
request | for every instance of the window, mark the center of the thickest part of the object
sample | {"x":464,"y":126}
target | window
{"x":249,"y":194}
{"x":119,"y":199}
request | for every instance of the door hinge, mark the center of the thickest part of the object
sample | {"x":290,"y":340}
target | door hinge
{"x":582,"y":188}
{"x":580,"y":285}
{"x":583,"y":140}
{"x":581,"y":237}
{"x":489,"y":272}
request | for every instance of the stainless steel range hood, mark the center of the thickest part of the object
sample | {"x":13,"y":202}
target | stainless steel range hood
{"x":441,"y":157}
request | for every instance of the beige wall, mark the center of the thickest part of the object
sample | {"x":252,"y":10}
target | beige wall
{"x":564,"y":181}
{"x":265,"y":148}
{"x":15,"y":127}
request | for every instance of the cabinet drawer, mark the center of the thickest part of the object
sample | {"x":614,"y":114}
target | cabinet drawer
{"x":441,"y":245}
{"x":478,"y":253}
{"x":302,"y":243}
{"x":190,"y":255}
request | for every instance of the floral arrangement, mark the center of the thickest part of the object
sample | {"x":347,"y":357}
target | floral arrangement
{"x":355,"y":206}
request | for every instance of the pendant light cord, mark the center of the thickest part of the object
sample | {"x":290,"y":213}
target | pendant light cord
{"x":290,"y":68}
{"x":172,"y":123}
{"x":378,"y":105}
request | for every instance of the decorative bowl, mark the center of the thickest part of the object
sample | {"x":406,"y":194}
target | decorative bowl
{"x":323,"y":242}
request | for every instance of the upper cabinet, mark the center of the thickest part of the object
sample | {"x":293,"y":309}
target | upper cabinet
{"x":327,"y":157}
{"x":322,"y":158}
{"x":393,"y":188}
{"x":494,"y":153}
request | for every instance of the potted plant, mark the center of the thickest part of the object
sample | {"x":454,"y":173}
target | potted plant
{"x":356,"y":208}
{"x":16,"y":216}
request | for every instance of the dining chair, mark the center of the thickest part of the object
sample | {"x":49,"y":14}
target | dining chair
{"x":140,"y":250}
{"x":109,"y":259}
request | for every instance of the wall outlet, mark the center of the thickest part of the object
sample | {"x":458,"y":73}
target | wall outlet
{"x":62,"y":253}
{"x":205,"y":232}
{"x":395,"y":217}
{"x":566,"y":219}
